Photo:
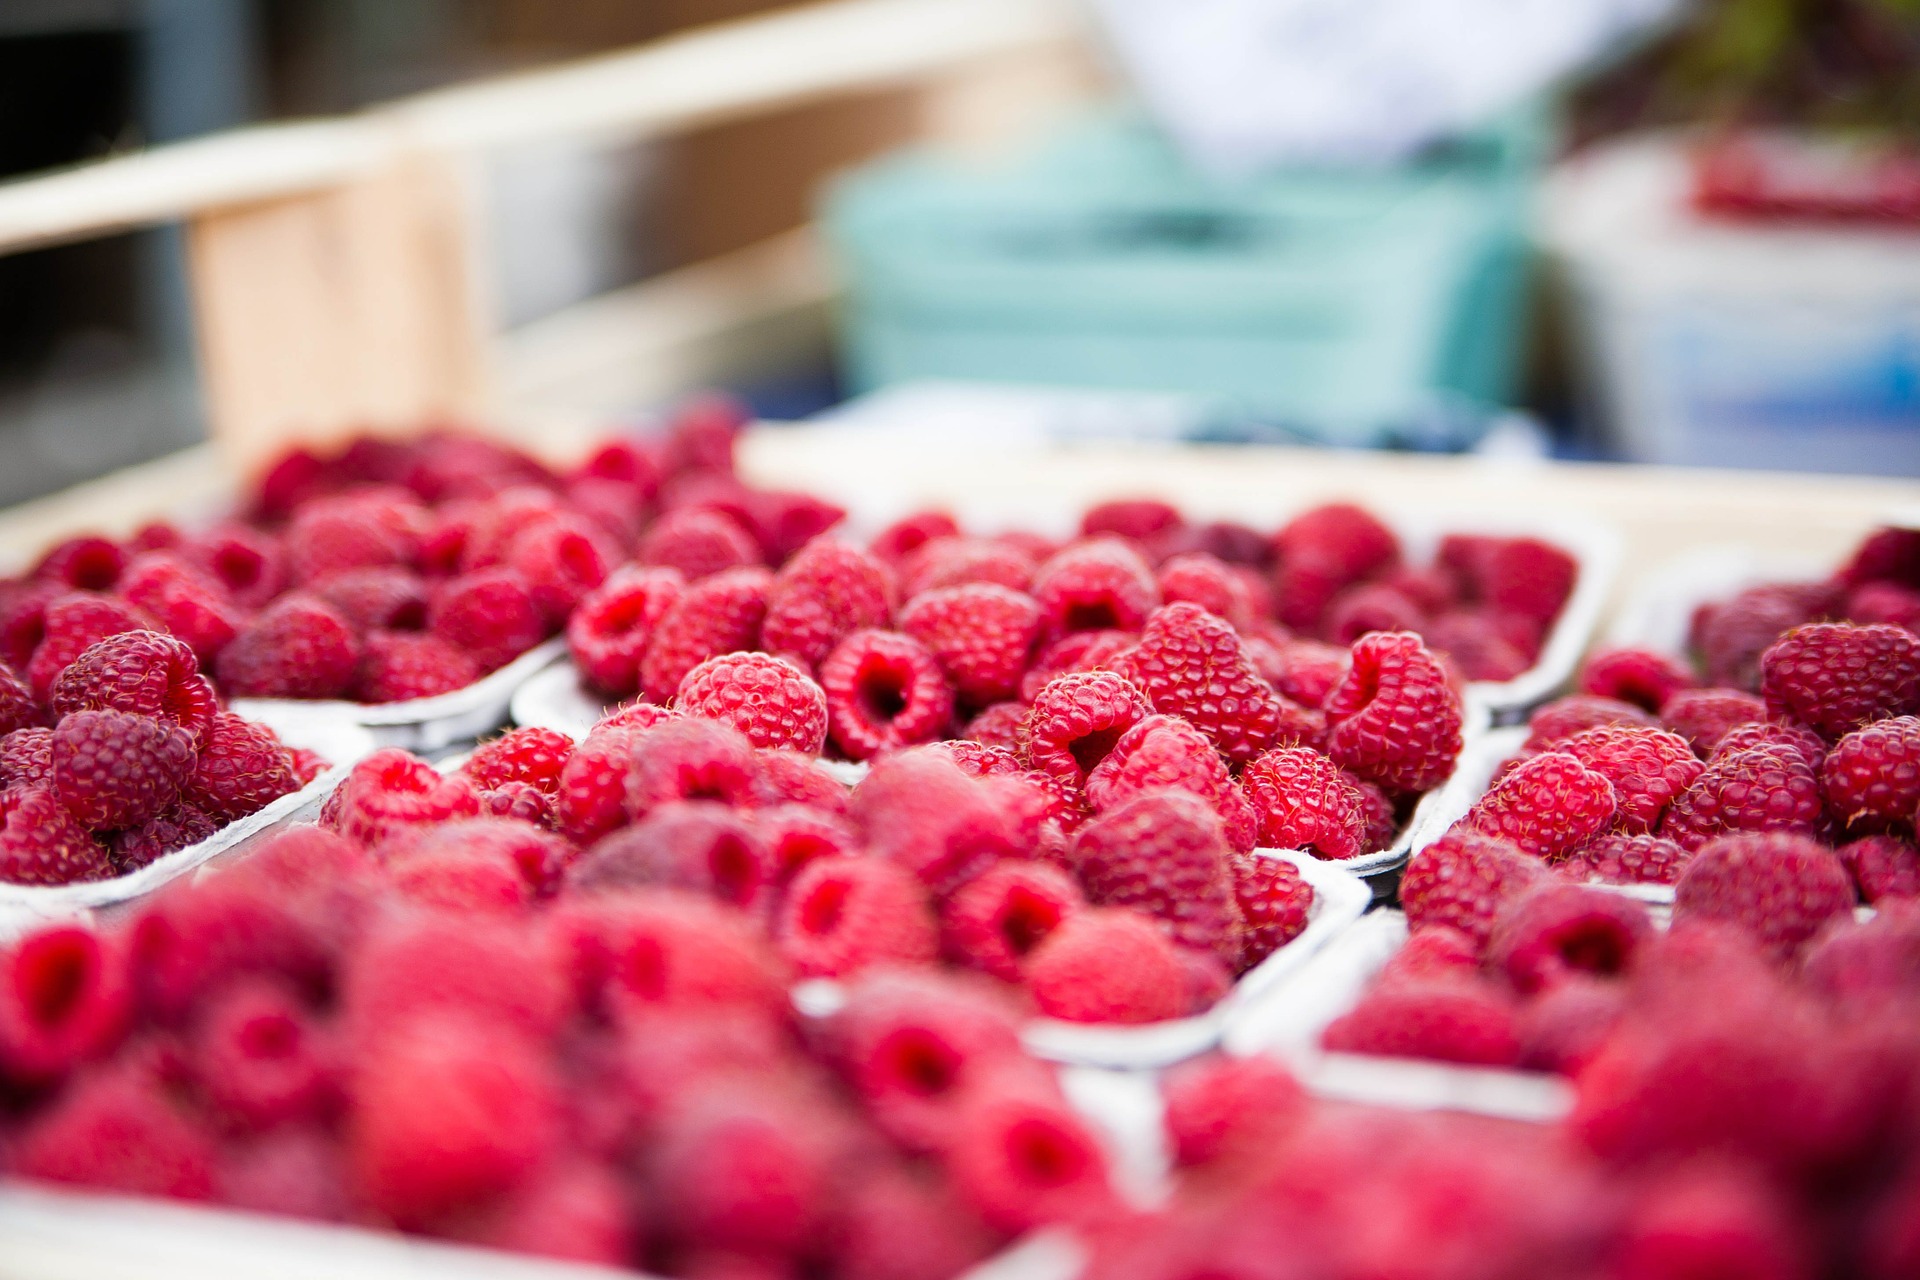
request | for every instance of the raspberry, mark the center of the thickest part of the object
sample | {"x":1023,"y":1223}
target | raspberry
{"x":536,"y":856}
{"x":957,"y":561}
{"x":1076,"y":720}
{"x":575,"y":1212}
{"x":1730,"y":637}
{"x":447,"y":1114}
{"x":688,"y":844}
{"x":1781,"y":888}
{"x":999,"y":726}
{"x":330,"y":535}
{"x":1548,"y":806}
{"x":1564,"y":1027}
{"x":978,"y":760}
{"x":1872,"y":776}
{"x":1140,"y":519}
{"x":520,"y":800}
{"x":489,"y":613}
{"x":1158,"y":753}
{"x":1274,"y":903}
{"x":1462,"y":879}
{"x":994,"y":923}
{"x":482,"y":880}
{"x":18,"y":710}
{"x":390,"y":791}
{"x":982,"y":635}
{"x":768,"y":699}
{"x":898,"y":1226}
{"x":1100,"y":584}
{"x":1556,"y":721}
{"x":1884,"y":602}
{"x":73,"y":624}
{"x":1867,"y":963}
{"x":1527,"y":577}
{"x":741,"y":1168}
{"x":1379,"y":823}
{"x":563,"y":557}
{"x":843,"y":915}
{"x":632,"y":460}
{"x":885,"y":691}
{"x":1639,"y":676}
{"x":1760,"y":733}
{"x":1164,"y":854}
{"x":143,"y":672}
{"x":1704,"y":717}
{"x":183,"y":601}
{"x":1322,"y":550}
{"x":1307,"y":670}
{"x":1437,"y":951}
{"x":690,"y":759}
{"x":1369,"y":606}
{"x":1764,"y":788}
{"x":1711,"y":1220}
{"x":1443,"y":1021}
{"x":1108,"y":964}
{"x":117,"y":1131}
{"x":1473,"y":641}
{"x":718,"y":614}
{"x":1647,"y":767}
{"x":399,"y":666}
{"x":661,"y":949}
{"x":257,"y":1056}
{"x":1556,"y":930}
{"x":531,"y":755}
{"x":1198,"y":578}
{"x":117,"y":769}
{"x":920,"y":810}
{"x":383,"y":598}
{"x":697,"y":542}
{"x":1888,"y":554}
{"x":1221,"y":1109}
{"x":910,"y":533}
{"x":176,"y":827}
{"x":242,"y":768}
{"x":412,"y":965}
{"x":788,"y":777}
{"x":1835,"y":678}
{"x":1627,"y":859}
{"x":609,"y":634}
{"x":86,"y":563}
{"x":1882,"y":867}
{"x":249,"y":563}
{"x":823,"y":594}
{"x":1078,"y":651}
{"x":797,"y":834}
{"x":1394,"y":719}
{"x":1303,"y":801}
{"x":591,"y":797}
{"x":298,"y":647}
{"x":64,"y":1001}
{"x":1191,"y":664}
{"x":1021,"y":1157}
{"x":23,"y":619}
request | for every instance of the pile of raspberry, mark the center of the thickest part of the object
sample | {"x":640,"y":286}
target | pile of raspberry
{"x":357,"y":1034}
{"x":127,"y":757}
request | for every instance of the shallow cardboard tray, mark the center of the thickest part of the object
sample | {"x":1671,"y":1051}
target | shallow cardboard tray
{"x":24,"y":906}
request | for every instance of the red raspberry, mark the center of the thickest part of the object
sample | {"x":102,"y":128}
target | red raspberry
{"x":1078,"y":651}
{"x":788,"y":777}
{"x":609,"y":634}
{"x":183,"y":601}
{"x":689,"y":758}
{"x":994,"y":923}
{"x":1303,"y":801}
{"x":117,"y":1130}
{"x":652,"y":950}
{"x":768,"y":699}
{"x":1548,"y":806}
{"x":1882,"y":867}
{"x":632,"y":460}
{"x":746,"y":1169}
{"x":1647,"y":767}
{"x":191,"y":939}
{"x":1077,"y":720}
{"x":1704,"y":717}
{"x":483,"y":861}
{"x":1640,"y":676}
{"x":1444,"y":1021}
{"x":330,"y":535}
{"x":298,"y":647}
{"x":978,"y":760}
{"x":718,"y":614}
{"x":1369,"y":606}
{"x":1394,"y":719}
{"x":1765,"y":788}
{"x":576,"y":1211}
{"x":18,"y":709}
{"x":383,"y":598}
{"x":1274,"y":903}
{"x":894,"y":1223}
{"x":1100,"y":584}
{"x":955,"y":562}
{"x":1835,"y":678}
{"x":999,"y":726}
{"x":1462,"y":879}
{"x":1763,"y":733}
{"x":1706,"y":1219}
{"x":1198,"y":578}
{"x":823,"y":594}
{"x":1528,"y":577}
{"x":911,"y":532}
{"x":1322,"y":550}
{"x":399,"y":666}
{"x":448,"y":1114}
{"x":178,"y":826}
{"x":1867,"y":963}
{"x":1222,"y":1110}
{"x":982,"y":635}
{"x":1164,"y":854}
{"x":1108,"y":965}
{"x":1379,"y":822}
{"x":917,"y":808}
{"x":1158,"y":753}
{"x":532,"y":755}
{"x":257,"y":1055}
{"x":1437,"y":951}
{"x":1627,"y":859}
{"x":1307,"y":670}
{"x":697,"y":542}
{"x":686,"y":844}
{"x":1564,"y":1027}
{"x":592,"y":796}
{"x":498,"y":519}
{"x":1022,"y":1157}
{"x":65,"y":1000}
{"x":1140,"y":519}
{"x":242,"y":768}
{"x":1888,"y":554}
{"x":1191,"y":664}
{"x":1872,"y":776}
{"x":1781,"y":888}
{"x":247,"y":562}
{"x":843,"y":915}
{"x":411,"y":965}
{"x":1730,"y":637}
{"x":1556,"y":721}
{"x":885,"y":691}
{"x":74,"y":623}
{"x":797,"y":834}
{"x":489,"y":613}
{"x":143,"y":672}
{"x":390,"y":790}
{"x":85,"y":563}
{"x":1554,"y":931}
{"x":117,"y":769}
{"x":1884,"y":602}
{"x":563,"y":557}
{"x":521,"y":800}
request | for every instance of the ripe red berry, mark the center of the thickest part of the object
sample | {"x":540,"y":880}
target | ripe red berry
{"x":241,"y":769}
{"x":1468,"y":1023}
{"x":1554,"y":931}
{"x":1100,"y":584}
{"x":957,"y":561}
{"x":185,"y":602}
{"x":1882,"y":867}
{"x":563,"y":557}
{"x":382,"y":598}
{"x":1627,"y":859}
{"x":982,"y":635}
{"x":994,"y":923}
{"x":390,"y":791}
{"x":1394,"y":718}
{"x":884,"y":691}
{"x":118,"y":1131}
{"x":1158,"y":753}
{"x":1835,"y":678}
{"x":1872,"y":776}
{"x":143,"y":672}
{"x":1647,"y":767}
{"x":1705,"y":717}
{"x":1022,"y":1157}
{"x":399,"y":666}
{"x":1548,"y":806}
{"x":1108,"y":964}
{"x":1191,"y":664}
{"x":1556,"y":721}
{"x":1164,"y":853}
{"x":1462,"y":879}
{"x":718,"y":614}
{"x":592,"y":794}
{"x":697,"y":542}
{"x":1209,"y":582}
{"x":685,"y":844}
{"x":1303,"y":801}
{"x":1766,"y":788}
{"x":1781,"y":888}
{"x":298,"y":647}
{"x":1639,"y":676}
{"x":71,"y":624}
{"x":690,"y":758}
{"x":1274,"y":904}
{"x":823,"y":594}
{"x":65,"y":999}
{"x":842,"y":915}
{"x":608,"y":634}
{"x":489,"y":613}
{"x":1077,"y":720}
{"x":768,"y":699}
{"x":116,"y":769}
{"x":531,"y":755}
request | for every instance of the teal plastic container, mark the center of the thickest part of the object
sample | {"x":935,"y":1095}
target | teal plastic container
{"x":1348,"y":305}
